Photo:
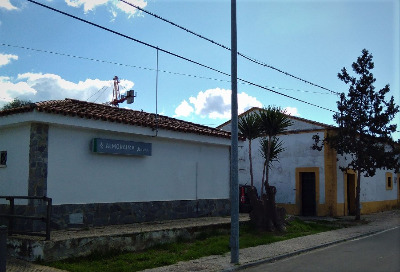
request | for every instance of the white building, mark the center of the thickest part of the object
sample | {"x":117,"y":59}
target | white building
{"x":310,"y":182}
{"x":104,"y":165}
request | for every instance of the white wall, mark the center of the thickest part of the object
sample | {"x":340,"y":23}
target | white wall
{"x":76,"y":175}
{"x":298,"y":153}
{"x":372,"y":188}
{"x":14,"y":177}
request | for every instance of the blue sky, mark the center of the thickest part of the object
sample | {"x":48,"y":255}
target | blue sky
{"x":312,"y":40}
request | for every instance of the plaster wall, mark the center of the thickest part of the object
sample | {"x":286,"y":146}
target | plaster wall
{"x":372,"y":188}
{"x":181,"y":170}
{"x":14,"y":177}
{"x":302,"y":125}
{"x":298,"y":153}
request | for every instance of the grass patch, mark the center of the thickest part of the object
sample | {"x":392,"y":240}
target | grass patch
{"x":215,"y":242}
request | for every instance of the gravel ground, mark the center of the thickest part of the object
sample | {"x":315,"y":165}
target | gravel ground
{"x":248,"y":257}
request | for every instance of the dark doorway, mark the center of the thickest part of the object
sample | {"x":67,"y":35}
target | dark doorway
{"x":351,"y":194}
{"x":308,"y":198}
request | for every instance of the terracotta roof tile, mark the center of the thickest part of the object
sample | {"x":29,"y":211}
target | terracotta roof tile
{"x":82,"y":109}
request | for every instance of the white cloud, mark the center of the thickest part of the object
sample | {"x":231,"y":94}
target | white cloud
{"x":184,"y":109}
{"x":292,"y":111}
{"x":88,"y":5}
{"x":6,"y":59}
{"x":10,"y":90}
{"x":216,"y":104}
{"x":128,"y":9}
{"x":114,"y":5}
{"x":5,"y":4}
{"x":40,"y":87}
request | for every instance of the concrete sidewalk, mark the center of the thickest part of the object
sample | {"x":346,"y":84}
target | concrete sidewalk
{"x":266,"y":253}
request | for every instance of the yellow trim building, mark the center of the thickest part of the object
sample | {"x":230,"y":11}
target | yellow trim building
{"x":310,"y":182}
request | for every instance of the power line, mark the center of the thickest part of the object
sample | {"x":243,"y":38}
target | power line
{"x":111,"y":62}
{"x":147,"y":68}
{"x":285,"y":95}
{"x":227,"y":48}
{"x":98,"y":97}
{"x":128,"y":37}
{"x":101,"y":89}
{"x":173,"y":54}
{"x":244,"y":82}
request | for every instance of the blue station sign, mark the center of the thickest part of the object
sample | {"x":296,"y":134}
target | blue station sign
{"x":109,"y":146}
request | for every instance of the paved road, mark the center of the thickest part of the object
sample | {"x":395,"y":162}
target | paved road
{"x":376,"y":253}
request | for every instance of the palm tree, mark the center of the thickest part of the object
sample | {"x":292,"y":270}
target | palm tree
{"x":270,"y":150}
{"x":249,"y":127}
{"x":273,"y":121}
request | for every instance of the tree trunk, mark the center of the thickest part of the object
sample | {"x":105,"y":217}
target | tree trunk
{"x":251,"y":166}
{"x":267,"y":164}
{"x":358,"y":211}
{"x":262,"y":181}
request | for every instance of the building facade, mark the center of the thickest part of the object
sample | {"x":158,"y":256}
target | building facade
{"x":103,"y":165}
{"x":310,"y":182}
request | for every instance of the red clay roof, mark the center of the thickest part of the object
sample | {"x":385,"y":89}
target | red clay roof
{"x":72,"y":107}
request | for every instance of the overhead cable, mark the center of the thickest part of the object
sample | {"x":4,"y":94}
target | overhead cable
{"x":101,"y":89}
{"x":128,"y":37}
{"x":147,"y":68}
{"x":226,"y":47}
{"x":173,"y":54}
{"x":111,"y":62}
{"x":285,"y":95}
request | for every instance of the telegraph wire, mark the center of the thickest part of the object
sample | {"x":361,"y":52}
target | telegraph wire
{"x":111,"y":62}
{"x":288,"y":74}
{"x":173,"y":54}
{"x":244,"y":82}
{"x":285,"y":95}
{"x":128,"y":37}
{"x":101,"y":89}
{"x":98,"y":97}
{"x":227,"y":48}
{"x":149,"y":69}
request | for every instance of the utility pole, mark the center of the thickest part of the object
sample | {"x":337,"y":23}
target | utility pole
{"x":234,"y":241}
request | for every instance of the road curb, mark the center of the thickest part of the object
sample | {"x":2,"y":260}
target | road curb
{"x":298,"y":252}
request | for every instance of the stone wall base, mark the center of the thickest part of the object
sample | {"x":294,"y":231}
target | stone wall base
{"x":103,"y":214}
{"x":70,"y":246}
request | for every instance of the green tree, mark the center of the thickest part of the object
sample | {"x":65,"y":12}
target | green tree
{"x":270,"y":152}
{"x":249,"y":127}
{"x":364,"y":136}
{"x":16,"y":103}
{"x":273,"y":121}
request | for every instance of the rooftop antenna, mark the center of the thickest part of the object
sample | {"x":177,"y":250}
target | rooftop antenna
{"x":129,"y":97}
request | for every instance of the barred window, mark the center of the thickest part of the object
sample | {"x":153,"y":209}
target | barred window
{"x":3,"y":158}
{"x":389,"y":181}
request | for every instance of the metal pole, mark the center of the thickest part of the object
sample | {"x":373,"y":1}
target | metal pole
{"x":234,"y":143}
{"x":3,"y":248}
{"x":11,"y":220}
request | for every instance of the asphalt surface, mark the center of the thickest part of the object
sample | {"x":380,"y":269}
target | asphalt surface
{"x":254,"y":256}
{"x":374,"y":253}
